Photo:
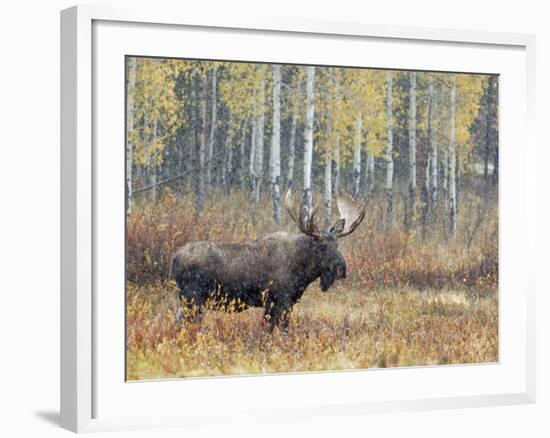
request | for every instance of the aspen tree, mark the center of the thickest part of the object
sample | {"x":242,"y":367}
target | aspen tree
{"x":276,"y":145}
{"x":336,"y":183}
{"x":411,"y":194}
{"x":357,"y":154}
{"x":291,"y":149}
{"x":308,"y":146}
{"x":432,"y":144}
{"x":389,"y":148}
{"x":452,"y":160}
{"x":242,"y":166}
{"x":259,"y":141}
{"x":131,"y":89}
{"x":201,"y":177}
{"x":212,"y":135}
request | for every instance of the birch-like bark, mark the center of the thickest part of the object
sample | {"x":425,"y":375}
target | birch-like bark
{"x":328,"y":189}
{"x":210,"y":161}
{"x":370,"y":173}
{"x":259,"y":159}
{"x":357,"y":154}
{"x":458,"y":175}
{"x":153,"y":182}
{"x":192,"y":148}
{"x":432,"y":144}
{"x":452,"y":161}
{"x":252,"y":161}
{"x":445,"y":175}
{"x":132,"y":71}
{"x":494,"y":176}
{"x":427,"y":177}
{"x":223,"y":172}
{"x":201,"y":183}
{"x":146,"y":168}
{"x":276,"y":145}
{"x":336,"y":182}
{"x":389,"y":149}
{"x":308,"y":146}
{"x":291,"y":149}
{"x":487,"y":151}
{"x":180,"y":163}
{"x":426,"y":188}
{"x":425,"y":196}
{"x":493,"y":126}
{"x":228,"y":166}
{"x":242,"y":167}
{"x":154,"y":135}
{"x":411,"y":199}
{"x":154,"y":172}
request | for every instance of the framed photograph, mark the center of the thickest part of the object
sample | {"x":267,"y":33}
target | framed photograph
{"x":331,"y":218}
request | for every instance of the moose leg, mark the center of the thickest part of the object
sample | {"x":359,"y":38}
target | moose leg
{"x":277,"y":314}
{"x":191,"y":305}
{"x":282,"y":320}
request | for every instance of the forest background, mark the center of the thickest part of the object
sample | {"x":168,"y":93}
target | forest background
{"x":211,"y":147}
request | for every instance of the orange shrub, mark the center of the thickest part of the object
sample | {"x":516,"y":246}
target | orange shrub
{"x":376,"y":256}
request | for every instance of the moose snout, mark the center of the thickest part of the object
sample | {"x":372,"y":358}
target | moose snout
{"x":341,"y":270}
{"x":340,"y":267}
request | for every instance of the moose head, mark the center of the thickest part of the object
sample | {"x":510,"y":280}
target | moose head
{"x":329,"y":260}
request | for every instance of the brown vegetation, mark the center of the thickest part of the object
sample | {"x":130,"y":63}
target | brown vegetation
{"x":408,"y":300}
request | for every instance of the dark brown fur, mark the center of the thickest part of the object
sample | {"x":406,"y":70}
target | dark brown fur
{"x":272,"y":272}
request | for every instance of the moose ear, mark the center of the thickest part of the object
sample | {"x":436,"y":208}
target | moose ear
{"x":338,"y":227}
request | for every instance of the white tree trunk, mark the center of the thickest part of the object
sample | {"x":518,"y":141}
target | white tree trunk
{"x":336,"y":184}
{"x":445,"y":175}
{"x":411,"y":204}
{"x":328,"y":189}
{"x":153,"y":182}
{"x":276,"y":145}
{"x":154,"y":168}
{"x":242,"y":171}
{"x":357,"y":154}
{"x":432,"y":143}
{"x":201,"y":177}
{"x":308,"y":146}
{"x":370,"y":173}
{"x":259,"y":161}
{"x":132,"y":71}
{"x":493,"y":125}
{"x":210,"y":161}
{"x":252,"y":160}
{"x":192,"y":144}
{"x":452,"y":161}
{"x":228,"y":167}
{"x":389,"y":148}
{"x":292,"y":149}
{"x":425,"y":194}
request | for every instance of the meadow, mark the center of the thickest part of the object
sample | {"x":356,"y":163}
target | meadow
{"x":412,"y":296}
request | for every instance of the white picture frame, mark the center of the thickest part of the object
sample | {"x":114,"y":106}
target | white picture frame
{"x":84,"y":377}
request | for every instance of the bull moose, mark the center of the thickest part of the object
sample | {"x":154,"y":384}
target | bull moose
{"x":271,"y":272}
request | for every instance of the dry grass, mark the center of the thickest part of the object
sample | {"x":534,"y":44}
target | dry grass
{"x":408,"y":300}
{"x":336,"y":330}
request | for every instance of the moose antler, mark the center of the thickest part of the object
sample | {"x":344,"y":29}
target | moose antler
{"x":348,"y":210}
{"x":297,"y":215}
